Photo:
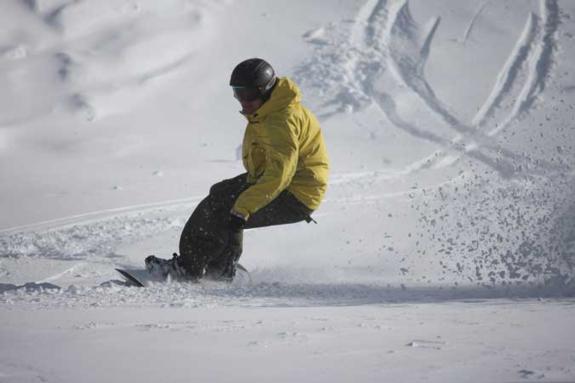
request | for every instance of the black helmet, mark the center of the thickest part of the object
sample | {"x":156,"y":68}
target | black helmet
{"x":253,"y":78}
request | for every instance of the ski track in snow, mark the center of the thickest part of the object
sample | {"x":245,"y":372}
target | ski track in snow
{"x":411,"y":73}
{"x":510,"y":71}
{"x":540,"y":62}
{"x":385,"y":39}
{"x":472,"y":22}
{"x":98,"y":233}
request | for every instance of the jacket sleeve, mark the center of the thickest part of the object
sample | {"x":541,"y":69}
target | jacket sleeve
{"x":281,"y":155}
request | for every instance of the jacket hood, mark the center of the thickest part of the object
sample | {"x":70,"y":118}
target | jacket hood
{"x":286,"y":92}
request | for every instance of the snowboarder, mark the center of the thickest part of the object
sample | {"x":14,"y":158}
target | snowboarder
{"x":286,"y":161}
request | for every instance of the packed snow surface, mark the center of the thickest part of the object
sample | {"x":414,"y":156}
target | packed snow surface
{"x":445,"y":248}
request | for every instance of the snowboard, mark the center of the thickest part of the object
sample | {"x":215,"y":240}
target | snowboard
{"x":142,"y":278}
{"x":138,"y":277}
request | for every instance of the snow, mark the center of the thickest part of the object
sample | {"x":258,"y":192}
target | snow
{"x":444,"y":250}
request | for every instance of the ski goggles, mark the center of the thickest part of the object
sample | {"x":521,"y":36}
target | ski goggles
{"x":243,"y":93}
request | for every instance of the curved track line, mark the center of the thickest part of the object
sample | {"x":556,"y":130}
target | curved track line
{"x":409,"y":66}
{"x":363,"y":31}
{"x":386,"y":103}
{"x":63,"y":222}
{"x":410,"y":72}
{"x":473,"y":21}
{"x":540,"y":64}
{"x":511,"y":69}
{"x":384,"y":38}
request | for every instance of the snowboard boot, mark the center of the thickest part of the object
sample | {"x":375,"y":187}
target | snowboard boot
{"x":167,"y":268}
{"x":224,"y":269}
{"x":221,"y":272}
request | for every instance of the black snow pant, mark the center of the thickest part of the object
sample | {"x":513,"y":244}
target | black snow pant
{"x":207,"y":244}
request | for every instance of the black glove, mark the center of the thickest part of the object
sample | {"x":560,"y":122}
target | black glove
{"x":236,"y":222}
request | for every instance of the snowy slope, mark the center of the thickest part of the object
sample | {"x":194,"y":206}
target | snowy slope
{"x":445,"y":249}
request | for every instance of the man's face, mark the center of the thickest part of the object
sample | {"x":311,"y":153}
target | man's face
{"x":250,"y":107}
{"x":249,"y":99}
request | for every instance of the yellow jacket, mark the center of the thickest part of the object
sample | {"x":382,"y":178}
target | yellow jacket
{"x":283,"y":148}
